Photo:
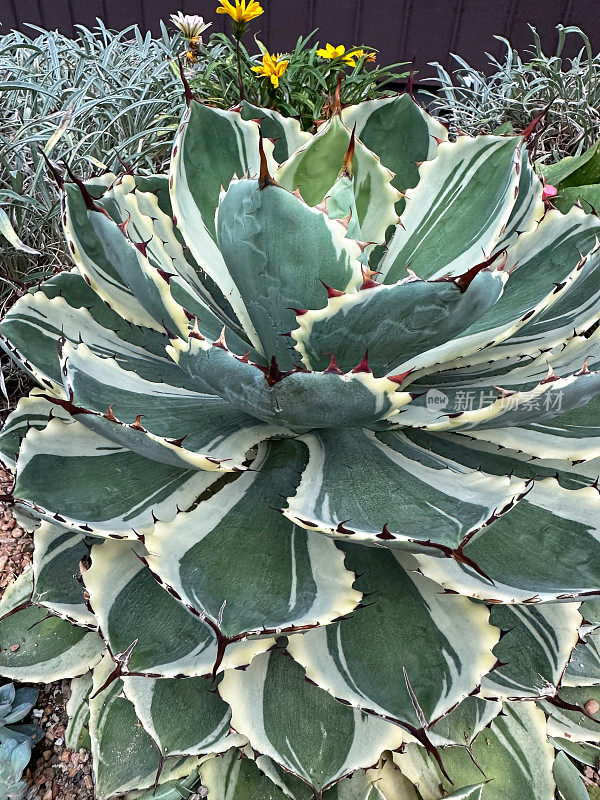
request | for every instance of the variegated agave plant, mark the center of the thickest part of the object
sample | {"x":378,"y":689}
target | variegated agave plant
{"x":251,"y":538}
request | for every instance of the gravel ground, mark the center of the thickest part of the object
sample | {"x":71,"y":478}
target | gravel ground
{"x":54,"y":771}
{"x":16,"y":546}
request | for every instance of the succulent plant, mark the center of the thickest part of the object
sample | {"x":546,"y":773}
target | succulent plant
{"x":14,"y":757}
{"x":16,"y":738}
{"x":314,"y":487}
{"x":15,"y":705}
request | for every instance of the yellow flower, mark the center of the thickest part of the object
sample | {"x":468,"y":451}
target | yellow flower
{"x":243,"y":10}
{"x":273,"y":67}
{"x":353,"y":55}
{"x":329,"y":51}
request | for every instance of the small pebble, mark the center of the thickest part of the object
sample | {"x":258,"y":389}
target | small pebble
{"x":592,"y":706}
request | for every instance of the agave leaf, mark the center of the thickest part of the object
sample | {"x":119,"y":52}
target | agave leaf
{"x":93,"y":262}
{"x":546,"y":549}
{"x":236,"y":777}
{"x":529,"y":206}
{"x":211,"y":147}
{"x":574,"y":309}
{"x":184,"y":716}
{"x":65,"y":307}
{"x":512,"y":753}
{"x":167,"y":642}
{"x":33,"y":411}
{"x":313,"y":171}
{"x":568,"y":716}
{"x":125,"y":756}
{"x":99,"y":501}
{"x":314,"y":168}
{"x":297,"y":399}
{"x":133,"y":266}
{"x":178,"y":426}
{"x":282,"y":578}
{"x":505,"y":407}
{"x":340,"y":204}
{"x":434,"y":242}
{"x":583,"y":668}
{"x":178,"y":789}
{"x":411,"y":683}
{"x":534,"y":650}
{"x":462,"y":724}
{"x":569,"y":780}
{"x":125,"y":245}
{"x":580,"y":352}
{"x":147,"y":217}
{"x":148,"y":199}
{"x":588,"y":754}
{"x":17,"y":594}
{"x":399,"y":131}
{"x":302,"y":728}
{"x":56,"y":567}
{"x":498,"y":459}
{"x":392,"y":322}
{"x":36,"y":646}
{"x":286,"y":132}
{"x":468,"y":793}
{"x":411,"y":506}
{"x":544,"y":264}
{"x":78,"y":711}
{"x":298,"y":245}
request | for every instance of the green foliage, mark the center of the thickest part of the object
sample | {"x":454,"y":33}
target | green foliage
{"x":16,"y":739}
{"x":518,"y":88}
{"x":289,"y":531}
{"x":15,"y":705}
{"x":82,"y":100}
{"x":307,"y":86}
{"x":577,"y":179}
{"x":14,"y":757}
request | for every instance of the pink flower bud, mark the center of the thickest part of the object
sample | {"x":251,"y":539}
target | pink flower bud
{"x":549,"y":191}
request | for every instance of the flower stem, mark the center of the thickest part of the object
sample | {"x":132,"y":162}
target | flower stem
{"x":239,"y":69}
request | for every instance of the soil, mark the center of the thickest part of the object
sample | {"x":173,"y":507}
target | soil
{"x":16,"y":546}
{"x":54,"y":771}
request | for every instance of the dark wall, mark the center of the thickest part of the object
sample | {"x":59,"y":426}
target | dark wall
{"x":401,"y":29}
